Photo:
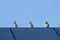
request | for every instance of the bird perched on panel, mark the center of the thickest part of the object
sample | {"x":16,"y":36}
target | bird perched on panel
{"x":30,"y":25}
{"x":46,"y":25}
{"x":15,"y":25}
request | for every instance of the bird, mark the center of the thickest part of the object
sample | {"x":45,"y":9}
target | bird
{"x":15,"y":25}
{"x":46,"y":25}
{"x":30,"y":25}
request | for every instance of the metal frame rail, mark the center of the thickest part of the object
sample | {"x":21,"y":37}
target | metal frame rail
{"x":12,"y":34}
{"x":56,"y":32}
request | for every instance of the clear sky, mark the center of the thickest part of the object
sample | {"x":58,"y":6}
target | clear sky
{"x":23,"y":11}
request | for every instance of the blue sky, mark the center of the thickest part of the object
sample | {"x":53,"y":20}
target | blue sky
{"x":23,"y":11}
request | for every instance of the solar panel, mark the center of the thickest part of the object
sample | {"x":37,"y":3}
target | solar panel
{"x":29,"y":34}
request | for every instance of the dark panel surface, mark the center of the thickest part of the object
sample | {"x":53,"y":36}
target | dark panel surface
{"x":29,"y":34}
